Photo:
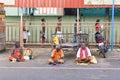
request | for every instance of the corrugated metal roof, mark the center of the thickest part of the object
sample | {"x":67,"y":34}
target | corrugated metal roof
{"x":56,"y":3}
{"x":49,"y":3}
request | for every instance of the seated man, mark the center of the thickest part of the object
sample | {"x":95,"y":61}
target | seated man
{"x":84,"y":55}
{"x":57,"y":56}
{"x":16,"y":53}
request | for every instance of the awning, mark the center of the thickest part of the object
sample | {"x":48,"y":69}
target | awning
{"x":49,"y":3}
{"x":61,"y":4}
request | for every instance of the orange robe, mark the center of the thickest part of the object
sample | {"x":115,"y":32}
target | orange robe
{"x":56,"y":56}
{"x":16,"y":54}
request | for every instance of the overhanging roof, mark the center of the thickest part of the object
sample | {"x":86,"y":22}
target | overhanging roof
{"x":57,"y":4}
{"x":50,"y":3}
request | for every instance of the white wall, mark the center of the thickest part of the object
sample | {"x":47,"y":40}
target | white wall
{"x":10,"y":11}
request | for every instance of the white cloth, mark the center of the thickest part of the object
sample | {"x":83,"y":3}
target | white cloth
{"x":59,"y":34}
{"x":26,"y":57}
{"x":78,"y":52}
{"x":28,"y":33}
{"x":25,"y":34}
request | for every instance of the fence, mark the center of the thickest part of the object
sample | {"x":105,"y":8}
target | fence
{"x":13,"y":31}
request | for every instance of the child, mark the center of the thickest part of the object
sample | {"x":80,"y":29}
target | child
{"x":44,"y":39}
{"x":26,"y":33}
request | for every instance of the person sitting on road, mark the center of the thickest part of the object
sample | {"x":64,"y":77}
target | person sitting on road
{"x":57,"y":56}
{"x":84,"y":55}
{"x":16,"y":53}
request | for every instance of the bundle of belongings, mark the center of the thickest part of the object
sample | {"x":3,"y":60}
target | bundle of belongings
{"x":28,"y":54}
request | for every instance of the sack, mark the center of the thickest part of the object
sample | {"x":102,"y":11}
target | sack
{"x":27,"y":52}
{"x":93,"y":60}
{"x":26,"y":57}
{"x":56,"y":40}
{"x":29,"y":33}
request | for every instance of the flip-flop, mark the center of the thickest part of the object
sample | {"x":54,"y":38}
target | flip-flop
{"x":55,"y":64}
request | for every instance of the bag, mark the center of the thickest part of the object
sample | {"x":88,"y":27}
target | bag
{"x":93,"y":60}
{"x":56,"y":40}
{"x":26,"y":57}
{"x":29,"y":33}
{"x":28,"y":53}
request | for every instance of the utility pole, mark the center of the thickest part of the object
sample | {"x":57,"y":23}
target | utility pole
{"x":112,"y":29}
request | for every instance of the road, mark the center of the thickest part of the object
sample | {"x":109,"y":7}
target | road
{"x":58,"y":73}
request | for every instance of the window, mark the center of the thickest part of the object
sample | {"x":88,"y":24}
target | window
{"x":70,"y":11}
{"x":93,"y":11}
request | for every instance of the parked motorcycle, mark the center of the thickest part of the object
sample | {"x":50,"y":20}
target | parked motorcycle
{"x":101,"y":43}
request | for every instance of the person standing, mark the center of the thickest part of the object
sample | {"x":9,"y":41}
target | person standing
{"x":26,"y":33}
{"x":98,"y":35}
{"x":98,"y":26}
{"x":58,"y":31}
{"x":24,"y":22}
{"x":59,"y":24}
{"x":43,"y":30}
{"x":75,"y":30}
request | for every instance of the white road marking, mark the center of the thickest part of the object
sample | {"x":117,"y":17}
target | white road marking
{"x":60,"y":68}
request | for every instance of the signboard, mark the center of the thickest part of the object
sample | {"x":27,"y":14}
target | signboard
{"x":101,"y":2}
{"x":2,"y":16}
{"x":8,"y":2}
{"x":93,"y":11}
{"x":48,"y":11}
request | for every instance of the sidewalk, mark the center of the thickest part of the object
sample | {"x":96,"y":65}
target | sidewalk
{"x":43,"y":54}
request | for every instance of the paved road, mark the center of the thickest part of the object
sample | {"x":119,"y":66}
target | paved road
{"x":106,"y":69}
{"x":56,"y":73}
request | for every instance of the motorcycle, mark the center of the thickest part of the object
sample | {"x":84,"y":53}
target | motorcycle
{"x":102,"y":44}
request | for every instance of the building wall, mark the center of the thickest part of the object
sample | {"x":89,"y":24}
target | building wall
{"x":64,"y":19}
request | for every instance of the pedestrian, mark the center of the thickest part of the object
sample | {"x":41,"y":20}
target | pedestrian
{"x":98,"y":26}
{"x":58,"y":31}
{"x":98,"y":35}
{"x":24,"y":22}
{"x":43,"y":24}
{"x":75,"y":30}
{"x":26,"y":33}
